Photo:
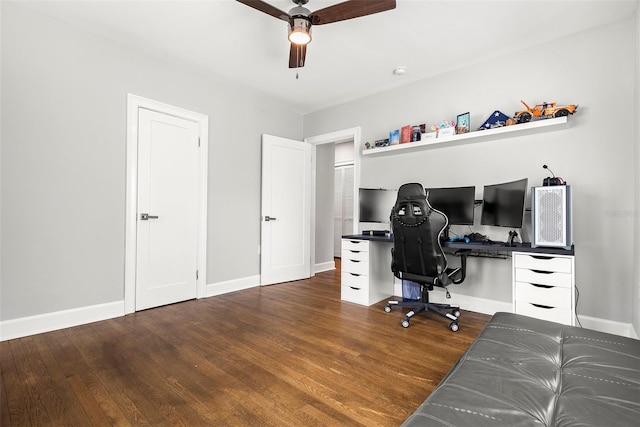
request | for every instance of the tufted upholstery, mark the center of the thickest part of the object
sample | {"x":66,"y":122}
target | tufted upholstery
{"x":522,"y":371}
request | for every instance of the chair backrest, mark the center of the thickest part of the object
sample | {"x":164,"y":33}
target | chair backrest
{"x":417,"y":254}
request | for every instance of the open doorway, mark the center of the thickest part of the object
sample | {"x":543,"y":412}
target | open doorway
{"x":343,"y":194}
{"x":323,"y":188}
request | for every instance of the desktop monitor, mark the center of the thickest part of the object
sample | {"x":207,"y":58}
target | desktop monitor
{"x":456,"y":203}
{"x":376,"y":204}
{"x":503,"y":204}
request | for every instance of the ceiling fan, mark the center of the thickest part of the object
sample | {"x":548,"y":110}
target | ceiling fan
{"x":301,"y":19}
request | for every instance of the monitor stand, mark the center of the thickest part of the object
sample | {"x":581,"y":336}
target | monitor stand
{"x":512,"y":236}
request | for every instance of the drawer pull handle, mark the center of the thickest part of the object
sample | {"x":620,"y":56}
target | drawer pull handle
{"x":541,"y":257}
{"x":355,"y":252}
{"x":355,"y":289}
{"x":538,"y":285}
{"x":354,"y":260}
{"x":354,"y":274}
{"x":542,"y":272}
{"x":355,"y":242}
{"x":546,"y":307}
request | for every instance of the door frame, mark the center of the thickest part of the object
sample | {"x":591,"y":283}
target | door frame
{"x":344,"y":135}
{"x":134,"y":103}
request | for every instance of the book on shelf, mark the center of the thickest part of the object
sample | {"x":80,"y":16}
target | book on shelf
{"x":405,"y":134}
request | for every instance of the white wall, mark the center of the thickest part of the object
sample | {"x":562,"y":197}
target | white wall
{"x":63,"y":162}
{"x":595,"y":153}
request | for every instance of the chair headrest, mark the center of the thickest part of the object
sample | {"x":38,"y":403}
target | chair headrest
{"x":411,"y":191}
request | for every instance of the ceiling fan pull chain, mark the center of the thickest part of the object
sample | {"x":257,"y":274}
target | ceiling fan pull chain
{"x":298,"y":49}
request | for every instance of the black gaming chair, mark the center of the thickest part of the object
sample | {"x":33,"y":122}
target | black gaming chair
{"x":417,"y":253}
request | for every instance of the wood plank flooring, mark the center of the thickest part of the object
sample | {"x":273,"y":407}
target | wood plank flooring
{"x":290,"y":354}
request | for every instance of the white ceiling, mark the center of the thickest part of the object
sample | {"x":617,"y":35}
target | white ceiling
{"x":345,"y":60}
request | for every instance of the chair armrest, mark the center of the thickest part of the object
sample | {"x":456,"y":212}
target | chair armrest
{"x":458,"y":275}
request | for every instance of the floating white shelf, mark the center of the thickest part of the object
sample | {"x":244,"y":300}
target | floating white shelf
{"x":473,"y":137}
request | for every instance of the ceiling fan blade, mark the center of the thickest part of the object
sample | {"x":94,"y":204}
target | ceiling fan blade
{"x":297,"y":54}
{"x":349,"y":10}
{"x":266,"y":8}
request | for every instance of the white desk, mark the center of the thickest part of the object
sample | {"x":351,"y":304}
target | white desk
{"x":543,"y":279}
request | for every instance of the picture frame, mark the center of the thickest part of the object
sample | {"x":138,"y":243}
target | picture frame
{"x":463,"y":123}
{"x":394,"y":137}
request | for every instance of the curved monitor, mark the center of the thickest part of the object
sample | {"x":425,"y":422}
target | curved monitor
{"x":503,"y":204}
{"x":376,"y":204}
{"x":455,"y":202}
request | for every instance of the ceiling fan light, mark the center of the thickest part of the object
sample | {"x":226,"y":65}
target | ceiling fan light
{"x":300,"y":30}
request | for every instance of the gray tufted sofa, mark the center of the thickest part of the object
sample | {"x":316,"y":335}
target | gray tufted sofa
{"x":522,"y":371}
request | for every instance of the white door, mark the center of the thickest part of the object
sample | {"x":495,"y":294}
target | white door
{"x":286,"y":210}
{"x":167,"y":210}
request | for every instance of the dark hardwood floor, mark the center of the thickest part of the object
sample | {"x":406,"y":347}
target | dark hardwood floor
{"x":290,"y":354}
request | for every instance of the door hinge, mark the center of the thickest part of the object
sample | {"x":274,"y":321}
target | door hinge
{"x":196,"y":274}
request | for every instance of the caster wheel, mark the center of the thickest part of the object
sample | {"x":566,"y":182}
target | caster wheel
{"x":453,"y":326}
{"x":387,"y":309}
{"x":456,"y":313}
{"x":405,"y":323}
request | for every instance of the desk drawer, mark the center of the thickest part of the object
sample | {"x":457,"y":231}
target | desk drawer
{"x":355,"y":294}
{"x":554,"y":296}
{"x":355,"y":245}
{"x":355,"y":255}
{"x":553,"y":314}
{"x":355,"y":280}
{"x":355,"y":266}
{"x":543,"y":263}
{"x":543,"y":277}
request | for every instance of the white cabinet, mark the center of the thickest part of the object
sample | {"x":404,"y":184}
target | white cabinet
{"x":366,"y":271}
{"x":544,"y":286}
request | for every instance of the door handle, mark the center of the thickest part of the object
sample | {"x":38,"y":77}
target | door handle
{"x":269,"y":218}
{"x":146,"y":217}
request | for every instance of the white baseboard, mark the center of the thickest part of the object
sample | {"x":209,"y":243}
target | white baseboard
{"x":31,"y":325}
{"x":220,"y":288}
{"x":608,"y":326}
{"x":325,"y":266}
